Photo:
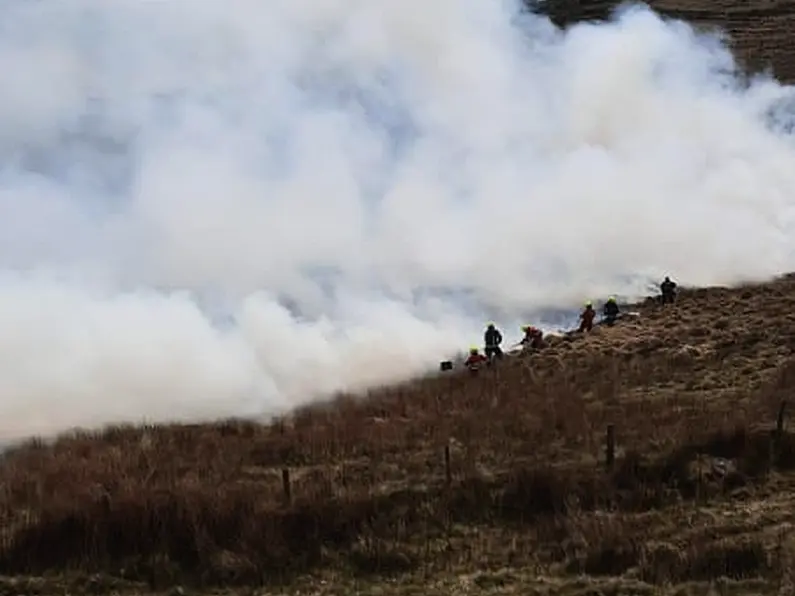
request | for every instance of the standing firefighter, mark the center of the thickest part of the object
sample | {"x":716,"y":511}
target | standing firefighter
{"x":587,"y":317}
{"x":668,"y":290}
{"x":492,"y":338}
{"x":533,"y":337}
{"x":475,"y":360}
{"x":611,"y":310}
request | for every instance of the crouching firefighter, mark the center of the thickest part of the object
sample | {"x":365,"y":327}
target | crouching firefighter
{"x":492,"y":338}
{"x":611,"y":311}
{"x":533,"y":337}
{"x":475,"y":360}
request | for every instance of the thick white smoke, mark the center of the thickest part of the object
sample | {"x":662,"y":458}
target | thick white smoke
{"x":213,"y":208}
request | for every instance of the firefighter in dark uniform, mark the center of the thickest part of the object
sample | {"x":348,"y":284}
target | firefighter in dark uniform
{"x":611,"y":311}
{"x":492,"y":339}
{"x":668,"y":290}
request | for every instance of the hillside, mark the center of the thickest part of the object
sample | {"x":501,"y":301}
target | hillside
{"x":759,"y":32}
{"x":700,"y":487}
{"x":495,"y":484}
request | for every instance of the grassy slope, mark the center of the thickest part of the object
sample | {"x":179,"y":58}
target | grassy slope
{"x":529,"y":503}
{"x":530,"y":508}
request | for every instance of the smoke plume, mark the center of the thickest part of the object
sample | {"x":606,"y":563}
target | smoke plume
{"x":215,"y":208}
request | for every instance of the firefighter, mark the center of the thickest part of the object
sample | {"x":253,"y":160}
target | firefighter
{"x":475,"y":360}
{"x":533,"y":337}
{"x":587,"y":317}
{"x":492,"y":338}
{"x":668,"y":291}
{"x":611,"y":311}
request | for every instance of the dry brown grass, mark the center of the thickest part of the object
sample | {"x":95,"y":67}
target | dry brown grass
{"x":701,"y":493}
{"x":700,"y":488}
{"x":759,"y":32}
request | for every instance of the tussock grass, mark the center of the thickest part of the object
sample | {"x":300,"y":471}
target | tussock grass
{"x":693,"y":402}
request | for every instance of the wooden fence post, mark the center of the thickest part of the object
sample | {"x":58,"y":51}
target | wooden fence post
{"x":286,"y":486}
{"x":780,"y":419}
{"x":778,"y":434}
{"x":610,"y":455}
{"x":448,"y":474}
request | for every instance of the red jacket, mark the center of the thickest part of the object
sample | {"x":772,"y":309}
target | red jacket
{"x":474,"y":360}
{"x":532,"y":337}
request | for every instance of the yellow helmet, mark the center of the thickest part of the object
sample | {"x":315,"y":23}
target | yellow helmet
{"x":473,"y":349}
{"x":588,"y":303}
{"x":611,"y":299}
